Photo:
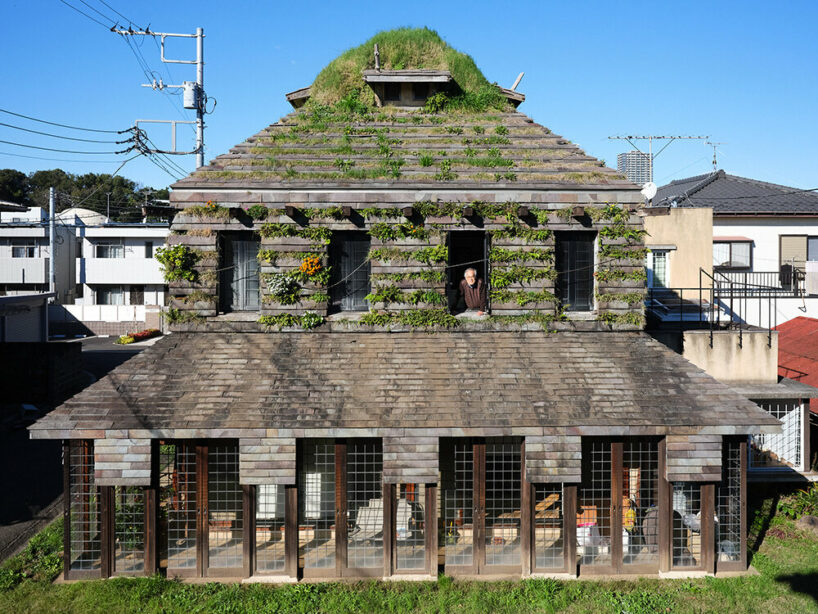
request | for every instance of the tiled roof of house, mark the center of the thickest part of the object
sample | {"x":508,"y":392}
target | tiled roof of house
{"x":798,"y":351}
{"x":394,"y":147}
{"x":733,"y":195}
{"x":367,"y":380}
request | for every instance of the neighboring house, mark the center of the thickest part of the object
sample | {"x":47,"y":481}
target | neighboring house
{"x":764,"y":235}
{"x":24,"y":317}
{"x":119,"y":283}
{"x":318,"y":412}
{"x":24,"y":255}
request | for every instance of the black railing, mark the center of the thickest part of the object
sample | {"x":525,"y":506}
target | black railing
{"x":717,"y":303}
{"x":786,"y":282}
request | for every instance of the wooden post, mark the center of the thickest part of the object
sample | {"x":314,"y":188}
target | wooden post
{"x":569,"y":527}
{"x":479,"y":519}
{"x":66,"y":508}
{"x":743,"y":504}
{"x":151,"y":539}
{"x":430,"y":529}
{"x":249,"y":512}
{"x":708,"y":528}
{"x":616,"y":505}
{"x":526,"y":511}
{"x":389,"y":537}
{"x":291,"y":530}
{"x":107,"y":528}
{"x":202,"y":533}
{"x":805,"y":451}
{"x":340,"y":506}
{"x":665,"y":517}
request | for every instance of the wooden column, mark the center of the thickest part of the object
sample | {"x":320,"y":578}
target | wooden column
{"x":389,"y":537}
{"x":743,"y":456}
{"x":152,"y":514}
{"x":616,"y":505}
{"x":430,"y":529}
{"x":249,"y":536}
{"x":479,"y":515}
{"x":291,"y":530}
{"x":805,"y":447}
{"x":708,"y":528}
{"x":569,"y":527}
{"x":107,"y":528}
{"x":526,"y":524}
{"x":665,"y":518}
{"x":340,"y":507}
{"x":202,"y":533}
{"x":66,"y":508}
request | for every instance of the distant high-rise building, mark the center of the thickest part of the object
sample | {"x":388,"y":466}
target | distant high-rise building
{"x":635,"y":165}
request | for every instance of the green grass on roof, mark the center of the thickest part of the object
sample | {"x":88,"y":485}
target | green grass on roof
{"x":399,"y":49}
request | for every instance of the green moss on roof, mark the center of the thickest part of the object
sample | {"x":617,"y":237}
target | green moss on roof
{"x":399,"y":49}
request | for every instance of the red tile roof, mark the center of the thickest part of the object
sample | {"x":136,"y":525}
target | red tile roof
{"x":798,"y":351}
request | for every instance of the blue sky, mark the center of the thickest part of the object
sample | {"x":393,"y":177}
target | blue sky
{"x":742,"y":72}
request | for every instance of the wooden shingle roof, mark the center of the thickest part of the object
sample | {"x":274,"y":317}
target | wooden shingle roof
{"x":498,"y":380}
{"x":404,"y":148}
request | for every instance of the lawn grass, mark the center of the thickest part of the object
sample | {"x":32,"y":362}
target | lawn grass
{"x":787,"y":560}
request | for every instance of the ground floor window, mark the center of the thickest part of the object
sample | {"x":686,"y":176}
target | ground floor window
{"x":129,"y":529}
{"x":84,"y":518}
{"x":730,"y":510}
{"x":549,"y":546}
{"x":687,"y":525}
{"x":365,"y":509}
{"x":316,"y":505}
{"x":780,"y":450}
{"x":270,"y":555}
{"x":110,"y":295}
{"x":410,"y":527}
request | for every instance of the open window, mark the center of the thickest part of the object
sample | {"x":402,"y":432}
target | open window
{"x":574,"y":255}
{"x":468,"y":249}
{"x":240,"y":273}
{"x":349,"y":271}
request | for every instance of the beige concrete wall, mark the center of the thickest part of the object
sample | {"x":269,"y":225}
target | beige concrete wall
{"x":753,"y":362}
{"x":691,"y":231}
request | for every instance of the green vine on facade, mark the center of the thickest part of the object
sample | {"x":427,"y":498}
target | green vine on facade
{"x":307,"y":321}
{"x":178,"y":262}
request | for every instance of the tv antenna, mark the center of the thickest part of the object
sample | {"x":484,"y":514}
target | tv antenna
{"x":650,"y":138}
{"x":714,"y":145}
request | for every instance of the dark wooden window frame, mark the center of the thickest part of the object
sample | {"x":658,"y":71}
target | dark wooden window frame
{"x":105,"y":557}
{"x":741,"y":564}
{"x":570,"y":274}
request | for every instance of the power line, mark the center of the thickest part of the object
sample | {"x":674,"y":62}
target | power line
{"x":98,"y":13}
{"x":68,"y":150}
{"x":130,"y":21}
{"x":71,"y":6}
{"x":17,"y":155}
{"x":58,"y":136}
{"x":43,"y":121}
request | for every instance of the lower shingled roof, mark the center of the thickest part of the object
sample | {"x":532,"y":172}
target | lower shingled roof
{"x":412,"y":380}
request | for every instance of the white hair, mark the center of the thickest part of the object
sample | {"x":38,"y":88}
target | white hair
{"x":470,"y":269}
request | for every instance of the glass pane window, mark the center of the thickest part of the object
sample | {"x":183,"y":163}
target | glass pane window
{"x":640,"y":502}
{"x":574,"y":254}
{"x":410,"y":526}
{"x":728,"y":504}
{"x":129,"y":549}
{"x":732,"y":254}
{"x":365,"y":504}
{"x":84,"y":508}
{"x":721,"y":254}
{"x":594,"y":511}
{"x":269,"y":528}
{"x":110,"y":295}
{"x":687,"y":522}
{"x":110,"y":250}
{"x":503,"y":474}
{"x":225,"y":513}
{"x":658,"y":269}
{"x":316,"y":508}
{"x":177,"y":503}
{"x":548,"y":541}
{"x":23,"y":250}
{"x":458,"y":502}
{"x":349,"y":271}
{"x":782,"y":449}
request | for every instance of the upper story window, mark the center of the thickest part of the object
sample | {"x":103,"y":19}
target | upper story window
{"x":239,"y":287}
{"x":23,"y":249}
{"x":733,"y":254}
{"x":658,"y":268}
{"x":148,"y":249}
{"x":349,"y":271}
{"x":795,"y":250}
{"x":574,"y":256}
{"x":467,"y":279}
{"x":110,"y":250}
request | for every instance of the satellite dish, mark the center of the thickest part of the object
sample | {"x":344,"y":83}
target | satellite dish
{"x":649,"y":190}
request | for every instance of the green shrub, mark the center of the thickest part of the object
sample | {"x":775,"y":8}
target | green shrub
{"x":426,"y":160}
{"x":258,"y":212}
{"x":40,"y":561}
{"x":178,"y":262}
{"x":801,"y":503}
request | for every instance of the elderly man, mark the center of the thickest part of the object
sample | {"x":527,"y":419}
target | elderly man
{"x":472,"y":292}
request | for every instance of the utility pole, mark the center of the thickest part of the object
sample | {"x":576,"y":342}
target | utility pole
{"x":52,"y":275}
{"x":650,"y":138}
{"x":193,"y":92}
{"x":108,"y":208}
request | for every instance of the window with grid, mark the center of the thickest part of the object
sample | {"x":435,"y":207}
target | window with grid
{"x":270,"y":528}
{"x":548,"y":542}
{"x":225,"y":513}
{"x":657,"y":272}
{"x":349,"y":270}
{"x":574,"y":258}
{"x":129,"y":529}
{"x":687,"y":519}
{"x":316,"y":507}
{"x":110,"y":295}
{"x":458,"y":503}
{"x":365,"y":504}
{"x":593,"y":515}
{"x":780,"y":449}
{"x":177,"y":501}
{"x":728,"y":504}
{"x":23,"y":249}
{"x":110,"y":250}
{"x":84,"y":508}
{"x":732,"y":254}
{"x":410,"y":526}
{"x":640,"y":501}
{"x":503,"y":474}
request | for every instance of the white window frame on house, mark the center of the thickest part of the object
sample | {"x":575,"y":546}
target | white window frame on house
{"x":729,"y":263}
{"x":107,"y":292}
{"x":650,"y":265}
{"x":109,"y":249}
{"x":24,"y":249}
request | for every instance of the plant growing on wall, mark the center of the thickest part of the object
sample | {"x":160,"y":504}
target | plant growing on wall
{"x":283,"y":288}
{"x":178,"y":262}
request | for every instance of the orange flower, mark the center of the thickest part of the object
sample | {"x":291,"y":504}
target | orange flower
{"x":310,"y":265}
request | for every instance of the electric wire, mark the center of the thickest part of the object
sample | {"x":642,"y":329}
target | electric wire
{"x":43,"y":121}
{"x":84,"y":14}
{"x":58,"y":136}
{"x":97,"y":12}
{"x":130,"y":21}
{"x":68,"y":150}
{"x":17,"y":155}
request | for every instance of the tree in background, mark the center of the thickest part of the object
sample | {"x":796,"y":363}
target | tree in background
{"x":90,"y":191}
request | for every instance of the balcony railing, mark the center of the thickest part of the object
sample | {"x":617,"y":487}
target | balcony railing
{"x":787,"y":282}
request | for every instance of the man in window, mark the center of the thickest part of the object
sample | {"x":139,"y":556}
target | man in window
{"x":472,"y":295}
